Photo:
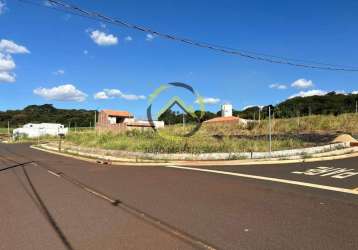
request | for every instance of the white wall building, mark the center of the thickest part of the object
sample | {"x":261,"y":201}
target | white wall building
{"x":33,"y":130}
{"x":226,"y":110}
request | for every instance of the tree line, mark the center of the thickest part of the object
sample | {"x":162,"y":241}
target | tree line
{"x":332,"y":103}
{"x":47,"y":113}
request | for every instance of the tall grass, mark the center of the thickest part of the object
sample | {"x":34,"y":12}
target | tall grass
{"x":5,"y":130}
{"x":346,"y":123}
{"x":216,"y":137}
{"x":149,"y":141}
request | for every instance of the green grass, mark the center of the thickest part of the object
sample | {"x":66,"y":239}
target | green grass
{"x":5,"y":130}
{"x":346,"y":123}
{"x":149,"y":141}
{"x":214,"y":138}
{"x":81,"y":129}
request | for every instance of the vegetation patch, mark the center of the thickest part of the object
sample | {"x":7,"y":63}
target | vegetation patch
{"x":220,"y":138}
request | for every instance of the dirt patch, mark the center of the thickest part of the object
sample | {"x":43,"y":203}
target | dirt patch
{"x":344,"y":138}
{"x":314,"y":138}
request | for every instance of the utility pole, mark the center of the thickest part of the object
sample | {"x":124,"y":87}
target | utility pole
{"x":298,"y":119}
{"x":8,"y":129}
{"x":356,"y":106}
{"x":270,"y":138}
{"x":259,"y":114}
{"x":95,"y":118}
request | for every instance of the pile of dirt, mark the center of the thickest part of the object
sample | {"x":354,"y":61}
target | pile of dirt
{"x":344,"y":138}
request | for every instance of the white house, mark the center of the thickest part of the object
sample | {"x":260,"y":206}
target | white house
{"x":33,"y":130}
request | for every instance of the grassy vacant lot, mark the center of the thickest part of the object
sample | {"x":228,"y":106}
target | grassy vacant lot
{"x":4,"y":130}
{"x":152,"y":142}
{"x":224,"y":137}
{"x":286,"y":133}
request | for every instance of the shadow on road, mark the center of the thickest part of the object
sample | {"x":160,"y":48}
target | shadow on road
{"x":46,"y":212}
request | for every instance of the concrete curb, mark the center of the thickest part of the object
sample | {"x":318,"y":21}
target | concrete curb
{"x":305,"y":152}
{"x":94,"y":158}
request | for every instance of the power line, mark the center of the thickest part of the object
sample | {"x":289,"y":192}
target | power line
{"x":76,"y":10}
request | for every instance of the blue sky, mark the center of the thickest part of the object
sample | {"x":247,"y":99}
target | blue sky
{"x":66,"y":59}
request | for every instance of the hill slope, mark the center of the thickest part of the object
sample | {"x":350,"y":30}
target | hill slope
{"x":47,"y":113}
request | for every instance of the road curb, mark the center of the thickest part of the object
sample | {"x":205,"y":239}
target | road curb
{"x":110,"y":160}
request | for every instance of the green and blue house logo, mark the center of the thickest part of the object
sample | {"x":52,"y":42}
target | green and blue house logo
{"x":176,"y":100}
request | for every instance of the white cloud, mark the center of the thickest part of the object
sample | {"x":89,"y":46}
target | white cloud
{"x":103,"y":39}
{"x":59,"y":72}
{"x":149,"y":37}
{"x":66,"y":92}
{"x":128,"y":38}
{"x":7,"y":63}
{"x":7,"y":77}
{"x":278,"y":86}
{"x":7,"y":46}
{"x":312,"y":92}
{"x":209,"y":100}
{"x":355,"y":92}
{"x":116,"y":93}
{"x":302,"y":84}
{"x":2,"y":7}
{"x":131,"y":97}
{"x":100,"y":95}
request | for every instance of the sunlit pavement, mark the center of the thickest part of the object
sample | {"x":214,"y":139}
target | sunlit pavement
{"x":54,"y":202}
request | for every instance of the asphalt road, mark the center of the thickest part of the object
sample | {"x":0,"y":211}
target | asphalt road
{"x":53,"y":202}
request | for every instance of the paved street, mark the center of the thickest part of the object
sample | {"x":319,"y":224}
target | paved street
{"x":53,"y":202}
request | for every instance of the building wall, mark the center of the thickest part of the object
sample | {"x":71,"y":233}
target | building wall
{"x":108,"y":123}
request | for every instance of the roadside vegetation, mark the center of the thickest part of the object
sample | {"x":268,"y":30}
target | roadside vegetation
{"x":286,"y":133}
{"x":148,"y":141}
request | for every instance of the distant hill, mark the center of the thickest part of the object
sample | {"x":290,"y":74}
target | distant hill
{"x":331,"y":103}
{"x":47,"y":113}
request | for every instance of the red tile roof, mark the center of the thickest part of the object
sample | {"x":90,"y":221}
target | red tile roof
{"x":117,"y":113}
{"x":224,"y":119}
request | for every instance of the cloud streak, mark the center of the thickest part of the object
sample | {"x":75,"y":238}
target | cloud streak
{"x":278,"y":86}
{"x":307,"y":93}
{"x":209,"y":100}
{"x":116,"y":93}
{"x":59,"y":72}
